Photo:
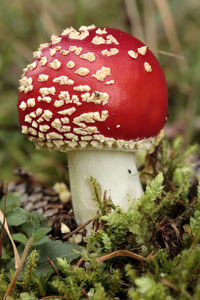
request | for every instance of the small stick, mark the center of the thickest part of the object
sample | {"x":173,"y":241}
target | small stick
{"x":84,"y":293}
{"x":16,"y":254}
{"x":127,"y":254}
{"x":80,"y":227}
{"x":79,"y":263}
{"x":4,"y":219}
{"x":167,"y":53}
{"x":178,"y":236}
{"x":53,"y":266}
{"x":16,"y":274}
{"x":166,"y":282}
{"x":169,"y":284}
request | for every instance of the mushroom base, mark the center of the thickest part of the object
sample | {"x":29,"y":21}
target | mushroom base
{"x":115,"y":172}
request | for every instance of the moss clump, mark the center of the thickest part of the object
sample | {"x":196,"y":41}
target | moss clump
{"x":165,"y":222}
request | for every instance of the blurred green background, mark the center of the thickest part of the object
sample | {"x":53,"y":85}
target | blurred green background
{"x":171,"y":28}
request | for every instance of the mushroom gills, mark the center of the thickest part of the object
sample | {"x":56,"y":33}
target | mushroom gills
{"x":109,"y":168}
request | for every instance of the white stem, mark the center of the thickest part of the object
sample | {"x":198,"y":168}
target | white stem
{"x":116,"y":173}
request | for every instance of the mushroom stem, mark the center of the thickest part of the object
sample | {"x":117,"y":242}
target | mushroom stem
{"x":116,"y":173}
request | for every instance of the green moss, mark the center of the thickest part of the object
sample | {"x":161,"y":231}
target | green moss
{"x":166,"y":220}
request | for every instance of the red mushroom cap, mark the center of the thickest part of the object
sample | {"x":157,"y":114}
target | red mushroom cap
{"x":93,"y":88}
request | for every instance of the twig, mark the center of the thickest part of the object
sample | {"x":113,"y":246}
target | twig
{"x":116,"y":253}
{"x":16,"y":254}
{"x":53,"y":266}
{"x":79,"y":263}
{"x":177,"y":232}
{"x":123,"y":283}
{"x":80,"y":227}
{"x":16,"y":274}
{"x":84,"y":292}
{"x":96,"y":224}
{"x":166,"y":282}
{"x":4,"y":219}
{"x":127,"y":254}
{"x":167,"y":53}
{"x":169,"y":284}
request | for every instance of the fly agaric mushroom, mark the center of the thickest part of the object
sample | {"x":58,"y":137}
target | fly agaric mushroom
{"x":98,"y":94}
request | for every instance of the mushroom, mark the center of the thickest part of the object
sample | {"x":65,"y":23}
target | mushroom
{"x":98,"y":94}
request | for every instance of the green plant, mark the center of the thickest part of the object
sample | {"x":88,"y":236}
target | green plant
{"x":149,"y":252}
{"x":23,"y":226}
